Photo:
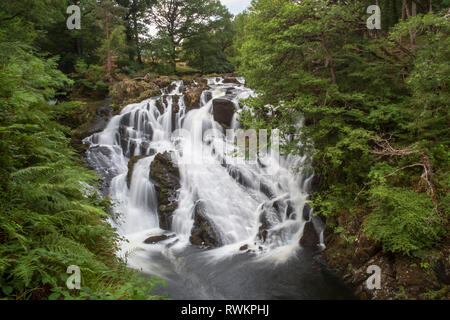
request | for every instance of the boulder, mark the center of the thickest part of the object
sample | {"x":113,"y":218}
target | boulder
{"x":131,"y":164}
{"x":159,"y":106}
{"x":204,"y":232}
{"x":266,"y":220}
{"x":192,"y":98}
{"x":166,"y":177}
{"x":193,"y":91}
{"x":307,"y":212}
{"x":231,"y":80}
{"x":244,"y":247}
{"x":309,"y":239}
{"x":156,"y":239}
{"x":223,"y":111}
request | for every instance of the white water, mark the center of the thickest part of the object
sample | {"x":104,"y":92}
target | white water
{"x":235,"y":208}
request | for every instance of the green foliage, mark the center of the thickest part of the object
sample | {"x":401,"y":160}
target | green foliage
{"x":90,"y":79}
{"x":403,"y":221}
{"x":176,"y":21}
{"x":51,"y":213}
{"x":315,"y":61}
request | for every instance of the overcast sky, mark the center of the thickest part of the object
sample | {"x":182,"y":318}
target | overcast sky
{"x":236,"y":6}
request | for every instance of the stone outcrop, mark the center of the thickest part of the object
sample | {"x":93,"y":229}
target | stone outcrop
{"x":134,"y":90}
{"x":204,"y":232}
{"x":193,"y":93}
{"x":166,"y":177}
{"x":309,"y":239}
{"x":402,"y":277}
{"x":223,"y":111}
{"x":231,"y":80}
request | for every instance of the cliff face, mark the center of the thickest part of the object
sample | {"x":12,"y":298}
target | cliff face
{"x":402,"y":277}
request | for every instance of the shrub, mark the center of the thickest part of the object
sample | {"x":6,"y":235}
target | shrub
{"x":402,"y":220}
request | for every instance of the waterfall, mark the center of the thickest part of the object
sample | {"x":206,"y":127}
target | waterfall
{"x":256,"y":205}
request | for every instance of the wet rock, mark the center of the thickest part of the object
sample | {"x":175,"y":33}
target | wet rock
{"x":223,"y":111}
{"x":101,"y":156}
{"x":239,"y":176}
{"x":204,"y":232}
{"x":244,"y":247}
{"x":103,"y":115}
{"x":231,"y":80}
{"x":166,"y":176}
{"x":309,"y":239}
{"x":159,"y":106}
{"x":132,"y":91}
{"x":442,"y":269}
{"x":157,"y":239}
{"x":192,"y":98}
{"x":267,"y":190}
{"x":131,"y":164}
{"x":290,"y":211}
{"x":307,"y":212}
{"x":208,"y":96}
{"x":266,"y":220}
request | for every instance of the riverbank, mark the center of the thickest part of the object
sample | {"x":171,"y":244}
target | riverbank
{"x":402,"y":277}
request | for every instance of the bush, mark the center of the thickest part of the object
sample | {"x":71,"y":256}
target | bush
{"x":402,"y":220}
{"x":90,"y":79}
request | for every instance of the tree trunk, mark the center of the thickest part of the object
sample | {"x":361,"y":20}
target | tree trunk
{"x":329,"y":60}
{"x":412,"y":33}
{"x":108,"y":47}
{"x":405,"y":10}
{"x":136,"y":40}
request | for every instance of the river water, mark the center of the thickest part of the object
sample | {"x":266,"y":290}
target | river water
{"x":257,"y":207}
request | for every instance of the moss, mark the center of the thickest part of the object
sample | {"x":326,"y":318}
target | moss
{"x":82,"y":120}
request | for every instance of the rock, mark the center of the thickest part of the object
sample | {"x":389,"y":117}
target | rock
{"x":223,"y":111}
{"x":204,"y":232}
{"x":309,"y":239}
{"x":208,"y":96}
{"x":239,"y":176}
{"x":307,"y":212}
{"x":159,"y":106}
{"x":101,"y":155}
{"x":266,"y":222}
{"x":156,"y":239}
{"x":267,"y":190}
{"x":103,"y":115}
{"x":442,"y":269}
{"x":166,"y":176}
{"x":231,"y":80}
{"x":244,"y":247}
{"x":131,"y":91}
{"x":192,"y":98}
{"x":131,"y":164}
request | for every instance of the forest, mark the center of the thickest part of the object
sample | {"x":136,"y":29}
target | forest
{"x":373,"y":103}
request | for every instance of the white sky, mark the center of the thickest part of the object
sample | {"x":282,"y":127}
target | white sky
{"x":236,"y":6}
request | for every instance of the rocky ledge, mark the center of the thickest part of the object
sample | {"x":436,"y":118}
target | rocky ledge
{"x":166,"y":177}
{"x":402,"y":277}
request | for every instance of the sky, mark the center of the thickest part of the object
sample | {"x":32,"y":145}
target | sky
{"x":236,"y":6}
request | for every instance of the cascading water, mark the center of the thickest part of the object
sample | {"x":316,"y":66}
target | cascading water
{"x":255,"y":209}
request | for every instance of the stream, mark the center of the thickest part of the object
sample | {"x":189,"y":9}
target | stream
{"x":248,"y":215}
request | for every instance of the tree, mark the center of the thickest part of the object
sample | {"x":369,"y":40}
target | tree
{"x":111,"y":13}
{"x":354,"y":88}
{"x":136,"y":24}
{"x":208,"y":49}
{"x":180,"y":19}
